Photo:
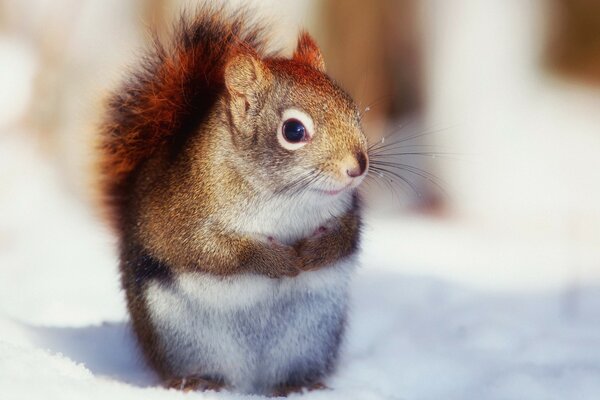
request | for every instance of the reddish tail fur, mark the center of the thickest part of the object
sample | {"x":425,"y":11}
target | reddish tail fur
{"x":166,"y":98}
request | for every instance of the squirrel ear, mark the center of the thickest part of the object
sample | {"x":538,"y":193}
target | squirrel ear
{"x":307,"y":52}
{"x":245,"y":74}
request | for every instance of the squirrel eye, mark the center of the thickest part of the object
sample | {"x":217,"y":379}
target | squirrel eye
{"x":293,"y":131}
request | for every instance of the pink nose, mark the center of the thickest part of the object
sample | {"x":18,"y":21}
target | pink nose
{"x":361,"y":165}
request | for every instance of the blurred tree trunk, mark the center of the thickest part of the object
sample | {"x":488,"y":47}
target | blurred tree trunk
{"x":373,"y":49}
{"x":573,"y":47}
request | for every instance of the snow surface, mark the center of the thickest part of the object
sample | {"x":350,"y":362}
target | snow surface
{"x":64,"y":331}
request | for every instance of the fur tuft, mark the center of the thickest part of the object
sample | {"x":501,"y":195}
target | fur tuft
{"x":164,"y":101}
{"x":307,"y":52}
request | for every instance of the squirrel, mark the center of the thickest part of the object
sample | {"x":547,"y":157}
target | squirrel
{"x":229,"y":175}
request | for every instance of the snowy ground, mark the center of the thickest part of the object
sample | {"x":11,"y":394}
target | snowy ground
{"x":64,"y":332}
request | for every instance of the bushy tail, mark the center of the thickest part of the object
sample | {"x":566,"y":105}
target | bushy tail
{"x":168,"y":95}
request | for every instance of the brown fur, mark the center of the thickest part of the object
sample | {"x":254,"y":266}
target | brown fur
{"x":187,"y":151}
{"x":308,"y":52}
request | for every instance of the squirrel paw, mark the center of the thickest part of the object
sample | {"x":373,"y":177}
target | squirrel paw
{"x":286,"y":390}
{"x":285,"y":269}
{"x":284,"y":262}
{"x":319,"y":231}
{"x":323,"y":229}
{"x":269,"y":240}
{"x":194,"y":383}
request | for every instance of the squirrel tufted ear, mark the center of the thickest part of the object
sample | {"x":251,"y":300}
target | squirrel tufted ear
{"x":307,"y":52}
{"x":245,"y":74}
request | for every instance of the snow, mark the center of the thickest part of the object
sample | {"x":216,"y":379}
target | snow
{"x":441,"y":308}
{"x":64,"y":331}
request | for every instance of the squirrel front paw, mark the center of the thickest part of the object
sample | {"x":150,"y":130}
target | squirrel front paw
{"x":322,"y":230}
{"x":320,"y":249}
{"x":309,"y":253}
{"x":282,"y":260}
{"x":287,"y":264}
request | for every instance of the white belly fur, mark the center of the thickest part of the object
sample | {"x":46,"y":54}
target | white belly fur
{"x":252,"y":331}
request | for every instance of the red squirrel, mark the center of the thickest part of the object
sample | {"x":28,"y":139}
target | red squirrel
{"x":230,"y":177}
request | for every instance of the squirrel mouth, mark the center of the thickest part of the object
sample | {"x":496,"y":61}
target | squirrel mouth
{"x":334,"y":192}
{"x":351,"y":185}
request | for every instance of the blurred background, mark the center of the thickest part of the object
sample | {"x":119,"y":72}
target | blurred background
{"x":497,"y":102}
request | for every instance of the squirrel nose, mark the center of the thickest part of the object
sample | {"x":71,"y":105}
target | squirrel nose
{"x":361,"y":165}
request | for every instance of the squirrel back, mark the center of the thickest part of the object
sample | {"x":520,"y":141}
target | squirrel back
{"x":166,"y":98}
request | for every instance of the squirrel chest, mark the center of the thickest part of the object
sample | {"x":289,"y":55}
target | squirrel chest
{"x":250,"y":330}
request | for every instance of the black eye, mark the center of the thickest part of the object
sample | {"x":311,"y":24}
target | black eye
{"x":293,"y":131}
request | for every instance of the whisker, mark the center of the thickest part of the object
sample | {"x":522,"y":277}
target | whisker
{"x":397,"y":128}
{"x":299,"y":182}
{"x":381,"y":179}
{"x":430,"y":154}
{"x":438,"y":182}
{"x":313,"y":180}
{"x":371,"y":105}
{"x":400,"y":165}
{"x":381,"y":145}
{"x":384,"y":170}
{"x":410,"y":168}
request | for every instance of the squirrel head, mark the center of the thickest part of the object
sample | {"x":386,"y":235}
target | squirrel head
{"x":294,"y":128}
